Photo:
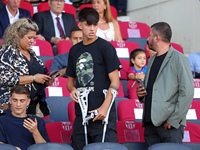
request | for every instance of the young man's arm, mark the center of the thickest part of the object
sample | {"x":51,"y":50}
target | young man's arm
{"x":102,"y":111}
{"x":32,"y":127}
{"x":72,"y":89}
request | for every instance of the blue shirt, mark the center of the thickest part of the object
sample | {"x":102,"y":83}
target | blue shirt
{"x":12,"y":131}
{"x":59,"y":62}
{"x":194,"y":60}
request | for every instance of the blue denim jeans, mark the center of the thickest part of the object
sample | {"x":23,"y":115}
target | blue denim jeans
{"x":158,"y":134}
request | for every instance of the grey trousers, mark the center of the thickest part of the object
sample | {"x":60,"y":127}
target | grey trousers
{"x":154,"y":135}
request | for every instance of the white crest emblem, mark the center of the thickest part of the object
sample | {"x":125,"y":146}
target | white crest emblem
{"x":133,"y":25}
{"x":121,"y":44}
{"x":67,"y":126}
{"x":130,"y":124}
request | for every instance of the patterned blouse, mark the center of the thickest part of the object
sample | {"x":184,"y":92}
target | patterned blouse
{"x":12,"y":65}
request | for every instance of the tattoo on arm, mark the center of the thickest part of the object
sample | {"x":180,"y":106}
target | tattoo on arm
{"x":114,"y":87}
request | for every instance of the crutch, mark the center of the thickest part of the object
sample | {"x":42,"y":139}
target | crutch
{"x":83,"y":102}
{"x":105,"y":120}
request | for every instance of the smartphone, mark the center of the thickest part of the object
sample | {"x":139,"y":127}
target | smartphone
{"x":31,"y":116}
{"x":140,"y":82}
{"x":53,"y":73}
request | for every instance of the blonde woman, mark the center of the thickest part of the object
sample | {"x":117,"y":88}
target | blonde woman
{"x":108,"y":27}
{"x":20,"y":66}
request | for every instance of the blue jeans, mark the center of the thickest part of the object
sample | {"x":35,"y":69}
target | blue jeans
{"x":158,"y":134}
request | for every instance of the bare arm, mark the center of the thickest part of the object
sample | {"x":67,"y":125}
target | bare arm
{"x":32,"y":127}
{"x":39,"y":78}
{"x":102,"y":110}
{"x":62,"y":72}
{"x":118,"y":36}
{"x":72,"y":89}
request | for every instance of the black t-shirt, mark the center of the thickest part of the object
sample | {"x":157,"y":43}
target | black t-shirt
{"x":90,"y":65}
{"x":34,"y":68}
{"x":152,"y":77}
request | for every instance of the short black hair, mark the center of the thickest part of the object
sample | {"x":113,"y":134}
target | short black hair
{"x":20,"y":89}
{"x":134,"y":53}
{"x":75,"y":29}
{"x":162,"y":29}
{"x":89,"y":15}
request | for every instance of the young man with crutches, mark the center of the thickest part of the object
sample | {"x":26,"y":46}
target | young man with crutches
{"x":93,"y":68}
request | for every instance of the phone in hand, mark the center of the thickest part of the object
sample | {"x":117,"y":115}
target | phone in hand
{"x":31,"y":116}
{"x":140,"y":82}
{"x":54,"y":73}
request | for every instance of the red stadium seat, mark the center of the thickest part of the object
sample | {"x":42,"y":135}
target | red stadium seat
{"x":63,"y":46}
{"x":58,"y":88}
{"x":48,"y":63}
{"x":112,"y":9}
{"x":124,"y":48}
{"x":191,"y":133}
{"x":134,"y":30}
{"x":129,"y":110}
{"x":194,"y":111}
{"x":130,"y":131}
{"x":59,"y":132}
{"x":42,"y":48}
{"x":124,"y":70}
{"x":131,"y":87}
{"x":177,"y":47}
{"x":120,"y":91}
{"x":67,"y":9}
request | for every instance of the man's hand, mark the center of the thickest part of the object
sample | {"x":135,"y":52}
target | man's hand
{"x":39,"y":37}
{"x":73,"y":96}
{"x":102,"y":112}
{"x":55,"y":40}
{"x":167,"y":125}
{"x":141,"y":92}
{"x":50,"y":81}
{"x":30,"y":125}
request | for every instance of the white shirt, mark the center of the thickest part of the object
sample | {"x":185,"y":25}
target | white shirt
{"x":11,"y":17}
{"x":57,"y":33}
{"x":108,"y":34}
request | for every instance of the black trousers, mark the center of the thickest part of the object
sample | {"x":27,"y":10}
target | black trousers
{"x":94,"y":132}
{"x":119,"y":4}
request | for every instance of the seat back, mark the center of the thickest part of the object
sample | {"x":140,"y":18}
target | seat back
{"x":177,"y":47}
{"x":194,"y":111}
{"x":44,"y":6}
{"x":140,"y":41}
{"x":169,"y":146}
{"x":134,"y":145}
{"x":59,"y":108}
{"x":124,"y":48}
{"x":131,"y":87}
{"x":58,"y":88}
{"x":125,"y":67}
{"x":7,"y":147}
{"x":63,"y":46}
{"x":48,"y":63}
{"x":28,"y":6}
{"x":191,"y":133}
{"x":134,"y":110}
{"x":134,"y":30}
{"x":130,"y":131}
{"x":42,"y":48}
{"x":112,"y":9}
{"x":104,"y":146}
{"x":120,"y":91}
{"x":50,"y":146}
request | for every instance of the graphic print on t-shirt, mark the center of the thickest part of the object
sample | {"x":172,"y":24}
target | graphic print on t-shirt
{"x":84,"y":68}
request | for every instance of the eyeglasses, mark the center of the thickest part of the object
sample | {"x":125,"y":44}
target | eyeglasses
{"x":62,"y":1}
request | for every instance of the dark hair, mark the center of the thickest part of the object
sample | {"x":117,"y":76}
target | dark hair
{"x":163,"y":30}
{"x":75,"y":29}
{"x":89,"y":15}
{"x":20,"y":89}
{"x":134,"y":53}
